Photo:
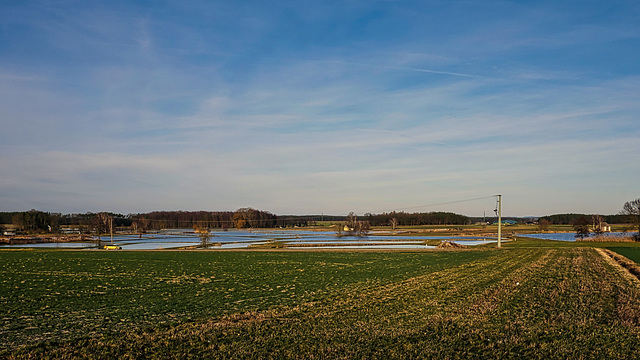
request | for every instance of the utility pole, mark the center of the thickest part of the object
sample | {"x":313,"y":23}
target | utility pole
{"x":111,"y":226}
{"x":499,"y":220}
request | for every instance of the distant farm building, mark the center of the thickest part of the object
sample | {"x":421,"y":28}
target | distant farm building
{"x":506,"y":222}
{"x":69,"y":230}
{"x":603,"y":227}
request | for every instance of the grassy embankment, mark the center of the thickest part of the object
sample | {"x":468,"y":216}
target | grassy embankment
{"x":525,"y":301}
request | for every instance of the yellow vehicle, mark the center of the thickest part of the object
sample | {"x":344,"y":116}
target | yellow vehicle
{"x":112,"y":247}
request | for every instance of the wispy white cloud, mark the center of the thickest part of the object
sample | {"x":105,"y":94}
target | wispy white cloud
{"x":406,"y":68}
{"x":135,"y":109}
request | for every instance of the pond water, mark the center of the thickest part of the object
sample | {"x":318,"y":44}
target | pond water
{"x":73,"y":245}
{"x":570,"y":236}
{"x":235,"y":239}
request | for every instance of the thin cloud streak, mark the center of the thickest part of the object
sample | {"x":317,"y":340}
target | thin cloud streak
{"x":356,"y":110}
{"x":405,"y":68}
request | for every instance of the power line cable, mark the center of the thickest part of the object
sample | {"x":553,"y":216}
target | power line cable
{"x":439,"y":204}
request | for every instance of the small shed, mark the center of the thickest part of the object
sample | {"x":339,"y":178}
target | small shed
{"x":604,"y":227}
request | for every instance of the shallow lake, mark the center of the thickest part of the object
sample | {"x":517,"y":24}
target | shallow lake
{"x":570,"y":236}
{"x":69,"y":245}
{"x":235,"y":239}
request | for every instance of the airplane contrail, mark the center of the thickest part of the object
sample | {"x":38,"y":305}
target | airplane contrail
{"x":408,"y":69}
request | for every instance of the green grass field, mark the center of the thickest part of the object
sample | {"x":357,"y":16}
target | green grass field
{"x":632,"y":253}
{"x":519,"y":302}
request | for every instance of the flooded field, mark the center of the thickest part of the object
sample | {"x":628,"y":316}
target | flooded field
{"x":236,"y":239}
{"x":569,"y":236}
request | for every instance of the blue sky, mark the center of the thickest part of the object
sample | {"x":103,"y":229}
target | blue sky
{"x":300,"y":107}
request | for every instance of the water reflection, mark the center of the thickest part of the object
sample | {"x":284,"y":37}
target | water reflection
{"x":236,"y":239}
{"x":60,"y":245}
{"x":570,"y":236}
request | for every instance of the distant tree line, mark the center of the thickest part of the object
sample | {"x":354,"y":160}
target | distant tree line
{"x":413,"y":219}
{"x":35,"y":221}
{"x":239,"y":219}
{"x":571,"y":218}
{"x":182,"y":219}
{"x":31,"y":221}
{"x":39,"y":221}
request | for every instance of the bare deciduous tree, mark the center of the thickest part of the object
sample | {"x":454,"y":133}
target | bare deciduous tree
{"x":632,"y":210}
{"x":581,"y":227}
{"x":597,"y":221}
{"x":543,"y":224}
{"x":394,"y":223}
{"x":101,"y":223}
{"x":201,"y":228}
{"x":355,"y":227}
{"x":362,"y":228}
